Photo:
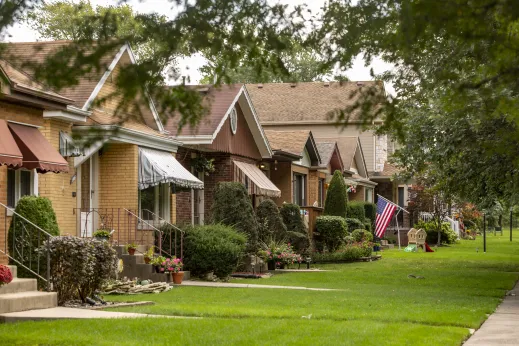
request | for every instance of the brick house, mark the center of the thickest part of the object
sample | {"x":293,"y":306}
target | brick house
{"x":230,"y":137}
{"x":121,"y":173}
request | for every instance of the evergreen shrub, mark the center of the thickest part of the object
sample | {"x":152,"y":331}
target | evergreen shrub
{"x":336,"y":197}
{"x":296,"y":229}
{"x":353,"y":224}
{"x":270,"y":222}
{"x":355,"y":210}
{"x":332,"y":230}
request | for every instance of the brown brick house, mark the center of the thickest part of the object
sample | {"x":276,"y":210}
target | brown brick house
{"x":230,"y":137}
{"x":295,"y":168}
{"x":120,"y":173}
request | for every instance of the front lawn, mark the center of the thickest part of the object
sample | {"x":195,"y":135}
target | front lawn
{"x":375,"y":304}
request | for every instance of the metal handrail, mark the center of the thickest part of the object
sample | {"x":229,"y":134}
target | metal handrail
{"x":174,"y":227}
{"x":45,"y":233}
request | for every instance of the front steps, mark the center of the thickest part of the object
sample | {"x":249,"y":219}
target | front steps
{"x":22,"y":295}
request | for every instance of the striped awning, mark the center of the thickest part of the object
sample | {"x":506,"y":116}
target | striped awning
{"x":156,"y":167}
{"x":255,"y":181}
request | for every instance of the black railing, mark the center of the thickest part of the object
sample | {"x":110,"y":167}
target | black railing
{"x":24,"y":246}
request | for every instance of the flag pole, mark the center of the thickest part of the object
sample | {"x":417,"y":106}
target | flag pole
{"x":396,"y":205}
{"x":398,"y":230}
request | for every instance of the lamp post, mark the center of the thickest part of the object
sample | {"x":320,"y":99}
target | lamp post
{"x":511,"y":221}
{"x":484,"y":232}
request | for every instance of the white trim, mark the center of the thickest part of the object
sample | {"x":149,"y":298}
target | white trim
{"x":228,"y":112}
{"x":256,"y":119}
{"x":103,"y":79}
{"x":24,"y":124}
{"x":94,"y":148}
{"x":125,"y":135}
{"x":64,"y":115}
{"x":35,"y":183}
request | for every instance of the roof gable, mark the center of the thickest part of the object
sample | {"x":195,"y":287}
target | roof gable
{"x":294,"y":142}
{"x":330,"y":156}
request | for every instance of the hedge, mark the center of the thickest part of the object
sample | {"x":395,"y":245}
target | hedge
{"x":355,"y":210}
{"x":360,"y":235}
{"x":447,"y":234}
{"x":270,"y":222}
{"x":296,"y":230}
{"x":347,"y":253}
{"x":332,"y":230}
{"x":213,"y":248}
{"x":353,"y":224}
{"x":336,"y":197}
{"x":370,"y":210}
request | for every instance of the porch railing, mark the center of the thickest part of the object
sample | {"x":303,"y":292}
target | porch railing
{"x":23,"y":245}
{"x":167,"y":229}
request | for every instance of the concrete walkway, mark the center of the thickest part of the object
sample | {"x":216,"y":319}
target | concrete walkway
{"x":502,"y":327}
{"x":233,"y":285}
{"x":70,"y":313}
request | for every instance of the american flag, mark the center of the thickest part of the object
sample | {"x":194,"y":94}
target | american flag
{"x":385,"y":211}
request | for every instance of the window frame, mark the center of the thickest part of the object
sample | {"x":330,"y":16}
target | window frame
{"x":33,"y":189}
{"x":162,"y":207}
{"x":295,"y":185}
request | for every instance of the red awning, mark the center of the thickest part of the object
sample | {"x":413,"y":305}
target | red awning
{"x":37,"y":152}
{"x":10,"y":155}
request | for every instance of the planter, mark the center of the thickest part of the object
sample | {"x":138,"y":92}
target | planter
{"x":131,"y":252}
{"x":376,"y":248}
{"x":271,"y":265}
{"x":102,"y":238}
{"x":177,"y":277}
{"x":147,"y":260}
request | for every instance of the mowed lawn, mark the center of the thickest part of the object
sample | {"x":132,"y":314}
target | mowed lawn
{"x":373,"y":304}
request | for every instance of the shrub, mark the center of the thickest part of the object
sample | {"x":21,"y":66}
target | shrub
{"x":270,"y":222}
{"x":332,"y":230}
{"x":370,"y":210}
{"x":346,"y":253}
{"x":353,"y":224}
{"x":447,"y":234}
{"x":37,"y":210}
{"x":368,"y":225}
{"x":296,"y":229}
{"x":336,"y":197}
{"x":79,"y":266}
{"x":232,"y":207}
{"x":213,"y":248}
{"x":355,"y":210}
{"x":360,"y":235}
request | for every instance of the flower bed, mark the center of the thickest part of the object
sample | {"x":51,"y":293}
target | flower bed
{"x":280,"y":255}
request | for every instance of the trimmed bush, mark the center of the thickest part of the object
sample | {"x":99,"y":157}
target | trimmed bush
{"x":447,"y":234}
{"x":232,"y":206}
{"x":37,"y":210}
{"x":80,"y":266}
{"x":367,"y":225}
{"x":353,"y":224}
{"x":347,"y":253}
{"x":360,"y":235}
{"x":332,"y":230}
{"x":296,"y":229}
{"x":355,"y":210}
{"x":270,"y":222}
{"x":370,"y":210}
{"x":213,"y":248}
{"x":336,"y":197}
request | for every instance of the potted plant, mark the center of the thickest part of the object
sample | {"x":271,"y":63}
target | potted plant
{"x":376,"y":247}
{"x":174,"y":266}
{"x":158,"y":264}
{"x":203,"y":165}
{"x":148,"y":255}
{"x":131,"y":248}
{"x":102,"y":234}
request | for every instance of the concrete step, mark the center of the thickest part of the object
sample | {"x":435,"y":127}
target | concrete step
{"x":121,"y":250}
{"x":23,"y":301}
{"x":19,"y":285}
{"x":14,"y":271}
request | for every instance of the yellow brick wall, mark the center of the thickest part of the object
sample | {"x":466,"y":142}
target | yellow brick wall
{"x":282,"y":178}
{"x":3,"y":225}
{"x":358,"y":195}
{"x":313,"y":186}
{"x":173,"y":209}
{"x":118,"y":186}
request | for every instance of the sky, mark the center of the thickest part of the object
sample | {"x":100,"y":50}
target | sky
{"x":190,"y":66}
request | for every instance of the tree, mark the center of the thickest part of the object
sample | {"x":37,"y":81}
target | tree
{"x":336,"y":197}
{"x":296,"y":229}
{"x":302,"y":65}
{"x":270,"y":222}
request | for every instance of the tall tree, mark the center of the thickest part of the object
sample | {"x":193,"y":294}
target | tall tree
{"x":336,"y":197}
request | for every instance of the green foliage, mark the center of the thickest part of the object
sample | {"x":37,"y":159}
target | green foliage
{"x":360,"y":235}
{"x":332,"y":230}
{"x":213,"y":248}
{"x":354,"y":224}
{"x":232,"y":207}
{"x":270,"y":222}
{"x":296,"y":229}
{"x":447,"y":234}
{"x":336,"y":197}
{"x":80,"y":266}
{"x":368,"y":225}
{"x":346,"y":253}
{"x":355,"y":210}
{"x":27,"y":238}
{"x":370,"y":210}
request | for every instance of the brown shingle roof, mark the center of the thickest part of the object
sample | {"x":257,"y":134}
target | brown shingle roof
{"x":218,"y":101}
{"x":325,"y":151}
{"x":37,"y":52}
{"x":293,"y":142}
{"x":284,"y":102}
{"x":347,"y":148}
{"x":388,"y":171}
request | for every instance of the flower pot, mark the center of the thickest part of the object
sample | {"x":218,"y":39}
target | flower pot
{"x":177,"y":277}
{"x":271,"y":265}
{"x":102,"y":238}
{"x":157,"y":269}
{"x":376,"y":248}
{"x":131,"y":252}
{"x":147,"y":260}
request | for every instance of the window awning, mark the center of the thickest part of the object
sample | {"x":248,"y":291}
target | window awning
{"x":157,"y":167}
{"x":37,"y":152}
{"x":256,"y":182}
{"x":10,"y":154}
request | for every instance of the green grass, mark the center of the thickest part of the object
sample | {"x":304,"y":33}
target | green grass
{"x":375,"y":304}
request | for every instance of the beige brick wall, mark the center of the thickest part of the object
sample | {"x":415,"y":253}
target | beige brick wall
{"x":3,"y":225}
{"x":358,"y":195}
{"x":118,"y":186}
{"x":313,"y":186}
{"x":282,"y":178}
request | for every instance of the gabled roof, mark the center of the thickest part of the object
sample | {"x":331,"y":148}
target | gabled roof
{"x":294,"y":142}
{"x":388,"y":171}
{"x":350,"y":150}
{"x":220,"y":101}
{"x":330,"y":155}
{"x":306,"y":102}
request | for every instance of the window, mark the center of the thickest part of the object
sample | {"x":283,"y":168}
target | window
{"x":20,"y":183}
{"x":368,"y":197}
{"x":299,"y":193}
{"x":154,"y":202}
{"x":321,"y":193}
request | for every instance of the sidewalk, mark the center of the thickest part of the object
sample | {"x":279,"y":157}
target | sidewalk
{"x":232,"y":285}
{"x":502,"y":327}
